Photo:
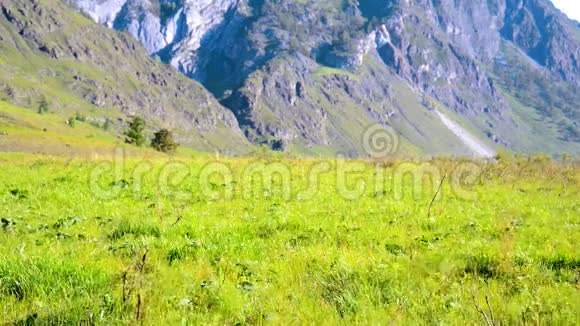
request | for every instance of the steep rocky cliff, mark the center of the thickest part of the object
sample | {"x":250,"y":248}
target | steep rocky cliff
{"x":301,"y":72}
{"x":47,"y":50}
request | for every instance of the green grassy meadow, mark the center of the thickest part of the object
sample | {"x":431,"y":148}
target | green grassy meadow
{"x":94,"y":231}
{"x":197,"y":239}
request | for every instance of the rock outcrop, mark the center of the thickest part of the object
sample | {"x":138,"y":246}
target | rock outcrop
{"x":451,"y":54}
{"x":82,"y":67}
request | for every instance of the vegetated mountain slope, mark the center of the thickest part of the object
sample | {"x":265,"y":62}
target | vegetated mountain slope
{"x":49,"y":50}
{"x":509,"y":69}
{"x":25,"y":131}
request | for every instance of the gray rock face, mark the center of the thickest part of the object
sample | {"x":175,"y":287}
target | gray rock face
{"x":545,"y":35}
{"x":177,"y":29}
{"x":451,"y":51}
{"x":96,"y":70}
{"x":435,"y":46}
{"x":174,"y":29}
{"x":134,"y":16}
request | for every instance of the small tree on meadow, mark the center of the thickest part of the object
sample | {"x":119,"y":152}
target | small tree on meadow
{"x":72,"y":122}
{"x":107,"y":124}
{"x":163,"y":142}
{"x":43,"y":105}
{"x":135,"y":133}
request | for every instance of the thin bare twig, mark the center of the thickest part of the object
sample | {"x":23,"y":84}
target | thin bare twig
{"x":141,"y":265}
{"x":490,"y":310}
{"x":177,"y":221}
{"x":125,"y":287}
{"x":140,"y":268}
{"x":139,"y":313}
{"x":481,"y":312}
{"x":435,"y":196}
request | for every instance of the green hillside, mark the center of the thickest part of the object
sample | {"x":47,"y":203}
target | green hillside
{"x":48,"y":50}
{"x":24,"y":130}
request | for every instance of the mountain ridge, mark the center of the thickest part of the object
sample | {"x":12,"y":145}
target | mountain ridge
{"x":310,"y":77}
{"x":48,"y":50}
{"x":452,"y":54}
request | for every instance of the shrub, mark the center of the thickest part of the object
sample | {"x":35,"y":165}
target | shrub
{"x":43,"y":106}
{"x":107,"y":124}
{"x":135,"y":134}
{"x":80,"y":117}
{"x":163,"y":141}
{"x":71,"y":122}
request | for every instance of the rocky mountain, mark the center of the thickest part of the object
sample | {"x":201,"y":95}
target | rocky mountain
{"x":445,"y":76}
{"x":48,"y":50}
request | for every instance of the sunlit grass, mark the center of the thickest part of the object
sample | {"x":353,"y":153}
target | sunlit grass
{"x":169,"y":254}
